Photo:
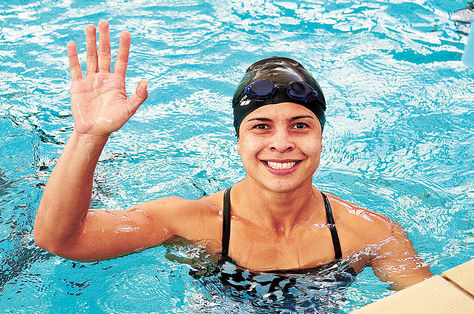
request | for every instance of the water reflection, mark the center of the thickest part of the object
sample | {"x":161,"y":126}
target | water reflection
{"x":398,"y":139}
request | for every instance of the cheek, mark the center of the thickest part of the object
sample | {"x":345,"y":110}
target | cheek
{"x":248,"y":147}
{"x":314,"y":147}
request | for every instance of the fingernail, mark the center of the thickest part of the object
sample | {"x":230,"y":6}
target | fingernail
{"x":104,"y":22}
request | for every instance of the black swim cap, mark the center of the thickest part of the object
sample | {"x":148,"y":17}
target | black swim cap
{"x":282,"y":72}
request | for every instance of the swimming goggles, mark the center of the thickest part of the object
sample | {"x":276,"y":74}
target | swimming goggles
{"x":264,"y":89}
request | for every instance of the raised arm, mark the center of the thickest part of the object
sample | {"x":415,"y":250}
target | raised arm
{"x":100,"y":106}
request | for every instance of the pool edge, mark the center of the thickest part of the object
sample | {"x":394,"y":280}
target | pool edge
{"x":452,"y":292}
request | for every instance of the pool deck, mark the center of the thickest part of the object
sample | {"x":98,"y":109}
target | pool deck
{"x":452,"y":292}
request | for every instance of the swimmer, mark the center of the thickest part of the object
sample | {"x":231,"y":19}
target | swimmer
{"x":274,"y":220}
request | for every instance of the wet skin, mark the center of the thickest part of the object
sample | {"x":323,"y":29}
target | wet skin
{"x":280,"y":146}
{"x":278,"y":217}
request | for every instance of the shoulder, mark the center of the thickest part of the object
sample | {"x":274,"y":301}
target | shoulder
{"x":174,"y":204}
{"x":194,"y":220}
{"x":359,"y":224}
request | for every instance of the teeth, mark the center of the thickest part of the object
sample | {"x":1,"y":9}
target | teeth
{"x":281,"y":165}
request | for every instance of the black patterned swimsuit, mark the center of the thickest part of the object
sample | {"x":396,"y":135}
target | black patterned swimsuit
{"x":331,"y":275}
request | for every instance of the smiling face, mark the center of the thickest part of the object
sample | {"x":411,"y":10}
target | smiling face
{"x":280,"y":146}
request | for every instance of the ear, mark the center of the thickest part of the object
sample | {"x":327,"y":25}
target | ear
{"x":238,"y":146}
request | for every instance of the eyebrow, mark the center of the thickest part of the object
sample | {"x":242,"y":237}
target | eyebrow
{"x":291,"y":119}
{"x":301,"y":117}
{"x":259,"y":119}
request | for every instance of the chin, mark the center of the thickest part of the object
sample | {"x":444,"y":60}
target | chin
{"x":285,"y":187}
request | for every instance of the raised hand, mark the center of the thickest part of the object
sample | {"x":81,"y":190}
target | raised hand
{"x":99,"y":100}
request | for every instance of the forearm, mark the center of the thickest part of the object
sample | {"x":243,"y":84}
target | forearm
{"x":403,"y":276}
{"x":398,"y":262}
{"x":66,"y":198}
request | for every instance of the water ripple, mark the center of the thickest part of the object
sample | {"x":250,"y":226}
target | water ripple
{"x":398,"y":138}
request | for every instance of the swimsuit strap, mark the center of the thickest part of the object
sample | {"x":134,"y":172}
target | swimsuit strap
{"x":332,"y":227}
{"x":226,"y":224}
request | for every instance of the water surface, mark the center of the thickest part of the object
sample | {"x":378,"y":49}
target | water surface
{"x":398,"y":141}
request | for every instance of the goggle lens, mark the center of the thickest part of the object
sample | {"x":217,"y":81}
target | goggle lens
{"x":300,"y":91}
{"x":262,"y":89}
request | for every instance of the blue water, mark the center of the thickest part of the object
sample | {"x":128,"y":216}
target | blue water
{"x":399,"y":137}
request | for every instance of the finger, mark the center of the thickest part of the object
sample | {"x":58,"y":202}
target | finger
{"x":74,"y":65}
{"x":122,"y":54}
{"x":141,"y":94}
{"x":104,"y":47}
{"x":91,"y":47}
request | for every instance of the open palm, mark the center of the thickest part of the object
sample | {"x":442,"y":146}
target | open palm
{"x":99,"y":100}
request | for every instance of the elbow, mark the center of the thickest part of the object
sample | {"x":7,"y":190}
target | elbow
{"x":38,"y":235}
{"x":43,"y":240}
{"x":66,"y":247}
{"x":51,"y":236}
{"x":49,"y":241}
{"x":41,"y":233}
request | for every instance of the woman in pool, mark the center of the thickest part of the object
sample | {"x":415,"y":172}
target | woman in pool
{"x":274,"y":219}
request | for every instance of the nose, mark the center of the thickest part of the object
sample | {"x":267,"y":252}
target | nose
{"x":281,"y":141}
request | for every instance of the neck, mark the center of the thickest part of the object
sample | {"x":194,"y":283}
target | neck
{"x":278,"y":212}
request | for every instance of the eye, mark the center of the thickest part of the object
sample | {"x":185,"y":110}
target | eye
{"x":261,"y":126}
{"x":300,"y":125}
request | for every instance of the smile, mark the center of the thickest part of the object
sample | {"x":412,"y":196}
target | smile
{"x":281,"y":165}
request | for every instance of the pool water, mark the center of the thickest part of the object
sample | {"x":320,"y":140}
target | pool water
{"x":399,"y":137}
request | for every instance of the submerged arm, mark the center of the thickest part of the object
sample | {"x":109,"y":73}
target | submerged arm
{"x":398,"y":262}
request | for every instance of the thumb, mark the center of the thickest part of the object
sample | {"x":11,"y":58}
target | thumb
{"x":141,"y":94}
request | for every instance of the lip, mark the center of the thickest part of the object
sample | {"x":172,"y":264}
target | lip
{"x":282,"y":171}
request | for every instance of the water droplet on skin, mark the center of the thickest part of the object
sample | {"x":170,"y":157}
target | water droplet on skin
{"x":142,"y":213}
{"x":126,"y":228}
{"x":125,"y":218}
